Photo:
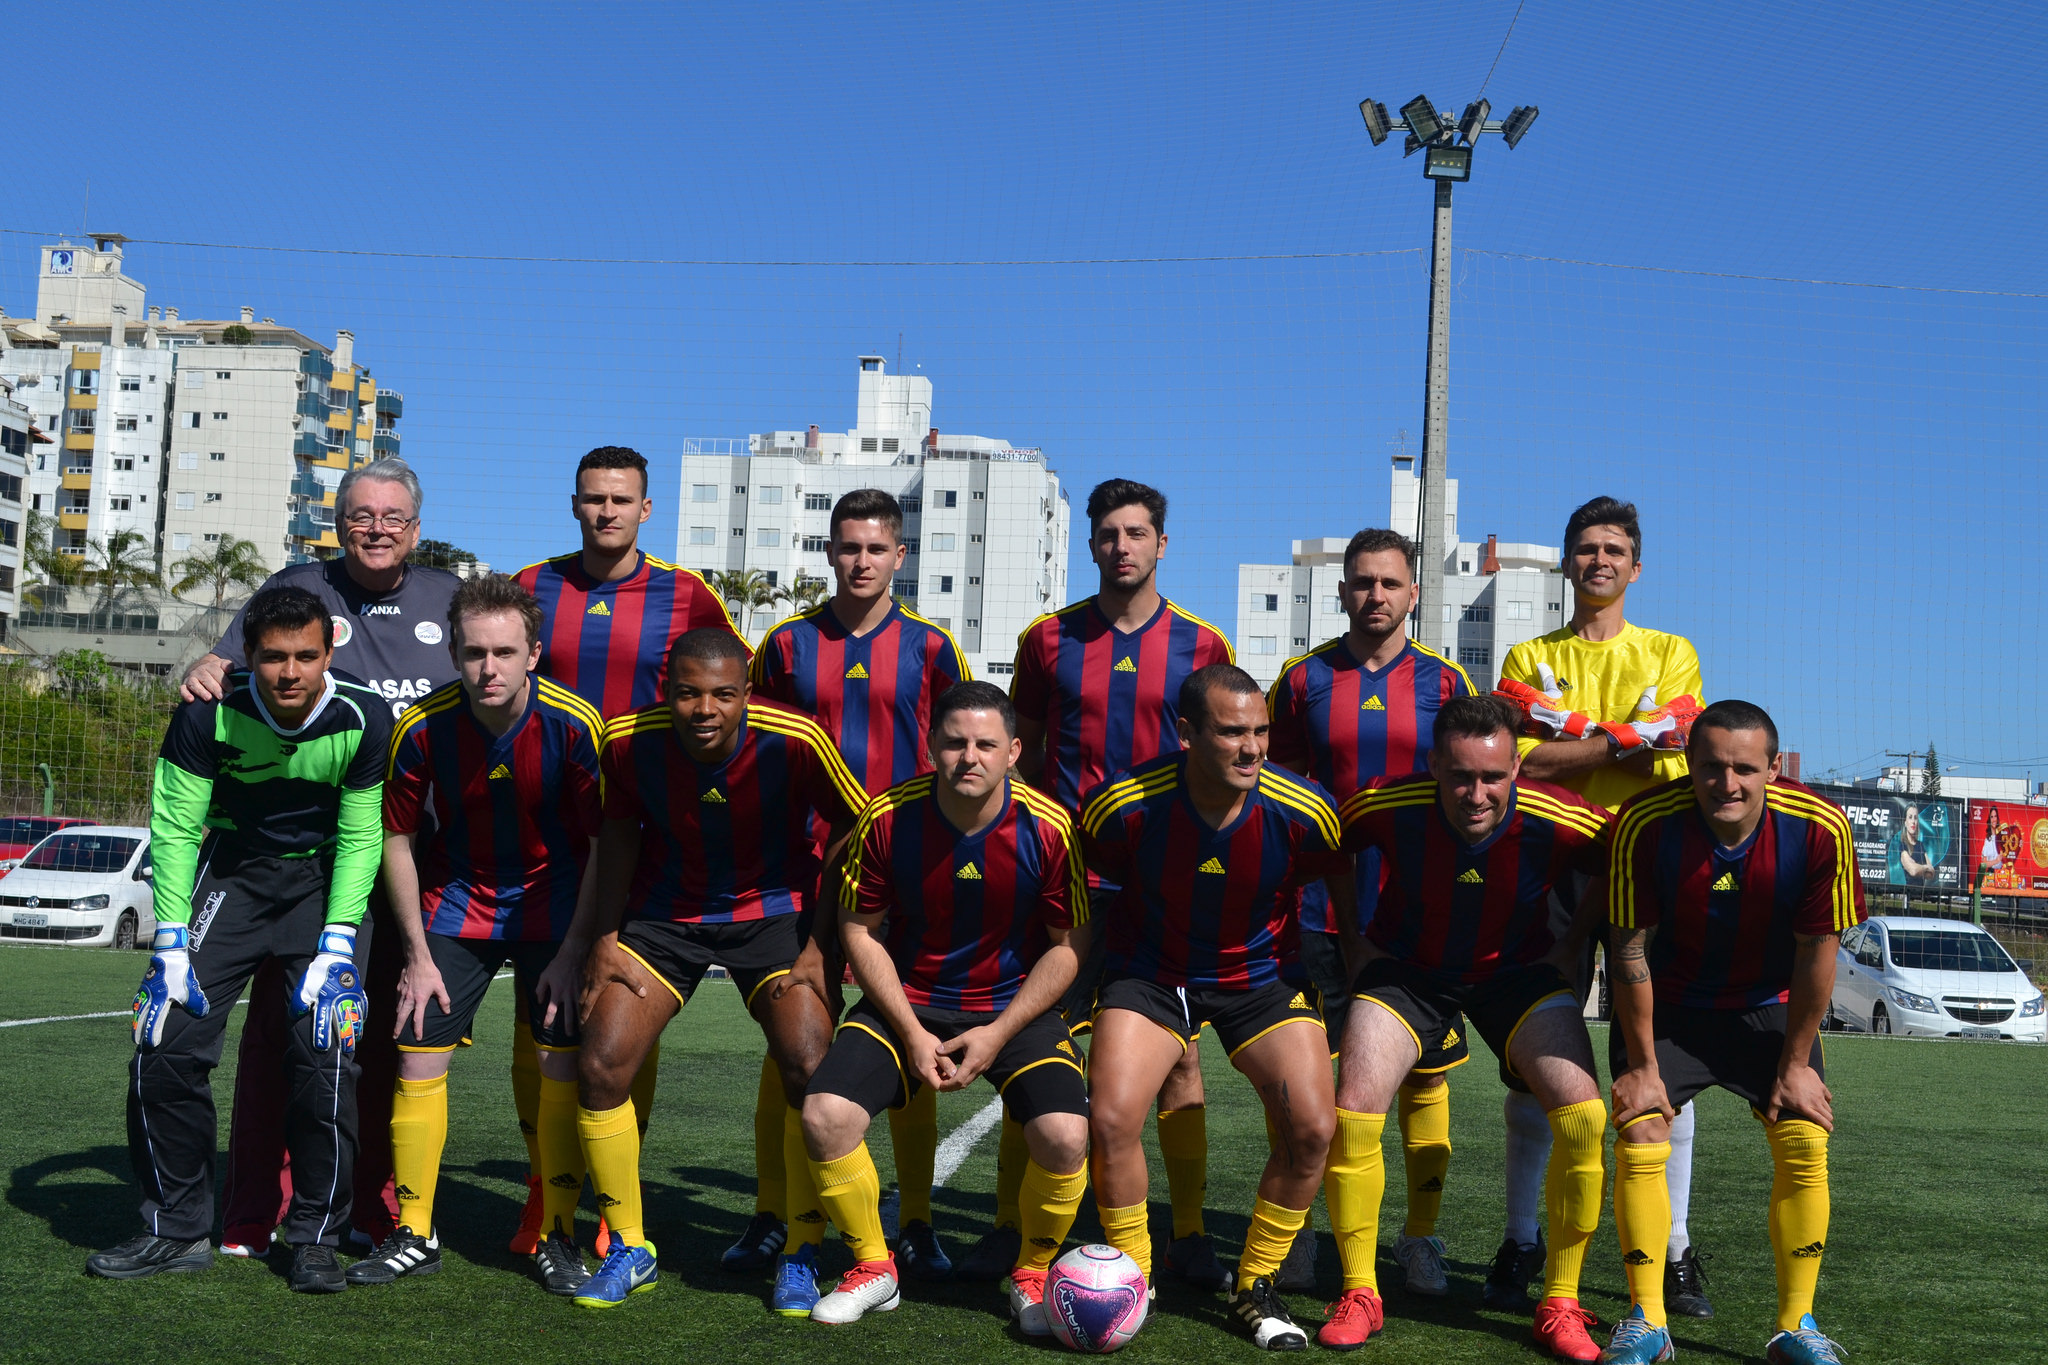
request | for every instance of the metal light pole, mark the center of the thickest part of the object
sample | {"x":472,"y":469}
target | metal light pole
{"x":1448,"y":159}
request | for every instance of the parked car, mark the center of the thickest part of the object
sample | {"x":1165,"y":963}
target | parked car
{"x":1938,"y":978}
{"x":20,"y":833}
{"x":92,"y":886}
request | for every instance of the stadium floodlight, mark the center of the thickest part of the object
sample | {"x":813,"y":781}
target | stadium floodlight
{"x":1376,"y":121}
{"x":1517,"y":123}
{"x":1473,"y":121}
{"x":1411,"y":146}
{"x":1447,"y":163}
{"x":1422,"y":118}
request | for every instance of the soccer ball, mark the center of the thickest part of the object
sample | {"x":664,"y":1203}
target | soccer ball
{"x":1095,"y":1299}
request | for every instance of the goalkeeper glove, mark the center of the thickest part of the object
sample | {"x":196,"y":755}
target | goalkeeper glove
{"x":1657,"y":727}
{"x":1544,"y":713}
{"x":167,"y":981}
{"x":332,"y":989}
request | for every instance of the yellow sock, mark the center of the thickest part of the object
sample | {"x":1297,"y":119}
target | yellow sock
{"x":1046,"y":1208}
{"x":1011,"y":1157}
{"x":1425,"y":1117}
{"x":1266,"y":1241}
{"x":851,"y":1191}
{"x":914,"y":1133}
{"x":1354,"y":1185}
{"x":611,"y":1151}
{"x":526,"y":1090}
{"x":1128,"y":1230}
{"x":561,"y":1157}
{"x":771,"y":1111}
{"x":419,"y":1130}
{"x":1184,"y":1148}
{"x":643,"y":1087}
{"x":1571,"y":1191}
{"x":806,"y":1209}
{"x":1642,"y":1216}
{"x":1799,"y":1213}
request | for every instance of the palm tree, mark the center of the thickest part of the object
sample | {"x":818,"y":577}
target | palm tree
{"x":806,"y":593}
{"x":52,"y":571}
{"x":742,"y":590}
{"x":233,"y":563}
{"x":118,"y":563}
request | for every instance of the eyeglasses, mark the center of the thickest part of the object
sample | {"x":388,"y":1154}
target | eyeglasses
{"x":390,"y":522}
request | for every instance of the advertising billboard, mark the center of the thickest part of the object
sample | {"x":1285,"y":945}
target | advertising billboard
{"x":1904,"y":843}
{"x":2009,"y":843}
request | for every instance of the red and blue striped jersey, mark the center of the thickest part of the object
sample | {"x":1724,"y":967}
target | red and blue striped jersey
{"x":730,"y":842}
{"x":1206,"y":907}
{"x":1467,"y":912}
{"x":608,"y":642}
{"x":502,"y":854}
{"x":873,"y":692}
{"x":964,"y":916}
{"x":1726,"y":918}
{"x":1345,"y":724}
{"x":1108,"y":699}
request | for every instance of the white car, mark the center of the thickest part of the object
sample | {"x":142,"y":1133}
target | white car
{"x":89,"y":885}
{"x":1933,"y":978}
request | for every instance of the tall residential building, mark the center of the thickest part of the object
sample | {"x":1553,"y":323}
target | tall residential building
{"x":16,"y":435}
{"x":985,"y":522}
{"x":1497,"y":593}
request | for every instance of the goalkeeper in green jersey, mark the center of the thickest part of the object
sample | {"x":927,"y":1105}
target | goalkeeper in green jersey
{"x":266,"y":832}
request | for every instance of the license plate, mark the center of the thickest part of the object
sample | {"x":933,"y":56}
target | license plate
{"x":28,"y":921}
{"x":1976,"y":1031}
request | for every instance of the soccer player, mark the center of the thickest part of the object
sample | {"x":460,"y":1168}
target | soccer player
{"x":1358,"y":708}
{"x":608,"y":615}
{"x":708,"y":855}
{"x":963,"y":912}
{"x":1210,"y":848}
{"x":498,"y":772}
{"x":1096,"y":688}
{"x":263,"y":827}
{"x":869,"y":670}
{"x":1474,"y":860}
{"x":1607,"y":702}
{"x":1727,"y":890}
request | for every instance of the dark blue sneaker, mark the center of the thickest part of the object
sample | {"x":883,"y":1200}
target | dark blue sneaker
{"x":757,"y":1247}
{"x":919,"y":1254}
{"x":1803,"y":1345}
{"x":796,"y":1283}
{"x":626,"y":1270}
{"x":1636,"y":1342}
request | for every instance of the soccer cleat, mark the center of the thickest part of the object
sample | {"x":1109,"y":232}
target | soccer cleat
{"x":150,"y":1255}
{"x":870,"y":1287}
{"x":1026,"y":1289}
{"x":404,"y":1252}
{"x":992,"y":1256}
{"x":1637,"y":1342}
{"x":1515,"y":1265}
{"x":1423,"y":1259}
{"x":627,"y":1270}
{"x":796,"y":1283}
{"x":317,"y":1270}
{"x":561,"y":1265}
{"x":1561,"y":1330}
{"x":1193,"y":1258}
{"x":246,"y":1243}
{"x":1297,"y":1272}
{"x":919,"y":1253}
{"x":1350,"y":1322}
{"x":1805,"y":1344}
{"x":757,"y":1245}
{"x":1685,"y":1286}
{"x":528,"y":1236}
{"x":1260,"y":1309}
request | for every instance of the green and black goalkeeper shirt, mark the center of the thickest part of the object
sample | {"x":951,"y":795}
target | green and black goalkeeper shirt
{"x":276,"y":793}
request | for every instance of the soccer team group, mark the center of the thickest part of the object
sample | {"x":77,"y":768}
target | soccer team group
{"x":1058,"y":888}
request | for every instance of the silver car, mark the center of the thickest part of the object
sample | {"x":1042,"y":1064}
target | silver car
{"x":1933,"y":978}
{"x":89,"y":885}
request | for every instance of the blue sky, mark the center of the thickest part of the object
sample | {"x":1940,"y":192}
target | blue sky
{"x":1843,"y":485}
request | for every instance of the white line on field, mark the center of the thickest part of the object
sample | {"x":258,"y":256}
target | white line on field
{"x":961,"y":1142}
{"x":116,"y":1014}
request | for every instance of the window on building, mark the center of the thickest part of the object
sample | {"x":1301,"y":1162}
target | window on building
{"x":942,"y":583}
{"x":974,"y":581}
{"x":1464,"y":566}
{"x":220,"y":417}
{"x":1333,"y":606}
{"x":942,"y":540}
{"x":773,"y":576}
{"x":214,"y":497}
{"x":1476,"y":612}
{"x":974,"y":623}
{"x":1475,"y":658}
{"x":217,"y":456}
{"x":904,"y":587}
{"x":1002,"y":667}
{"x":703,"y":535}
{"x":739,"y":490}
{"x":1265,"y":644}
{"x":1301,"y":642}
{"x":120,"y":505}
{"x":185,"y":502}
{"x":1517,"y":611}
{"x":189,"y":420}
{"x":981,"y":497}
{"x":1554,"y":607}
{"x":10,"y":532}
{"x":85,"y":381}
{"x":129,"y":385}
{"x":911,"y":505}
{"x":769,"y":493}
{"x":974,"y":540}
{"x":6,"y":578}
{"x":1301,"y":599}
{"x":762,"y":620}
{"x":1265,"y":601}
{"x":703,"y":492}
{"x":911,"y":545}
{"x":188,"y":459}
{"x":211,"y":537}
{"x":768,"y":537}
{"x":815,"y":544}
{"x":35,"y":500}
{"x":126,"y":424}
{"x":125,"y":462}
{"x":10,"y":488}
{"x":84,"y":419}
{"x":181,"y":541}
{"x":889,"y":445}
{"x":223,"y":374}
{"x":948,"y":498}
{"x":867,"y":443}
{"x":740,"y":531}
{"x":817,"y":502}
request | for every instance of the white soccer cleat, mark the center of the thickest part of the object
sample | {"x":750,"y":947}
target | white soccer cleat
{"x":1423,"y":1260}
{"x":870,"y":1287}
{"x":1026,"y":1289}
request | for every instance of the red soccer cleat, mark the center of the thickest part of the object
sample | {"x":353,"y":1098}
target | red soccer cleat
{"x":603,"y":1245}
{"x":1561,"y":1330}
{"x":527,"y":1238}
{"x":1351,"y":1320}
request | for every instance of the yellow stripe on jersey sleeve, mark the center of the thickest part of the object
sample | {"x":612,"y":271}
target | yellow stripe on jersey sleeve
{"x":1621,"y":888}
{"x":1111,"y":799}
{"x":1586,"y":821}
{"x":413,"y":717}
{"x":1229,"y":653}
{"x":1448,"y":662}
{"x":1053,"y":813}
{"x":813,"y":734}
{"x":1368,"y":800}
{"x":1842,"y":890}
{"x":561,"y":697}
{"x":1294,"y":795}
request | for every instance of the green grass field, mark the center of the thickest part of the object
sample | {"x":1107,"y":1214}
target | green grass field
{"x":1937,"y":1252}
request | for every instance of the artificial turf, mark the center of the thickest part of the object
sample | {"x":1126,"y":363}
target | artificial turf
{"x":1937,"y":1251}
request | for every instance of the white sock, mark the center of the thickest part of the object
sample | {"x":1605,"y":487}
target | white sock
{"x":1678,"y":1179}
{"x":1527,"y":1157}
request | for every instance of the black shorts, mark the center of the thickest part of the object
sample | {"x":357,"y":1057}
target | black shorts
{"x":753,"y":951}
{"x":1240,"y":1018}
{"x":467,"y":966}
{"x":1037,"y":1072}
{"x":1322,"y":956}
{"x":1737,"y":1050}
{"x":1429,"y":1007}
{"x":1077,"y":1006}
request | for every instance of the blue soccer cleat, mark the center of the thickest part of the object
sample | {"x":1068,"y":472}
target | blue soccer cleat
{"x":796,"y":1283}
{"x":1805,"y":1344}
{"x":1637,"y":1342}
{"x":626,"y":1270}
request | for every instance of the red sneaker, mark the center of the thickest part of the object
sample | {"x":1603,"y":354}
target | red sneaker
{"x":1351,"y":1320}
{"x":603,"y":1243}
{"x":527,"y":1238}
{"x":1561,"y":1330}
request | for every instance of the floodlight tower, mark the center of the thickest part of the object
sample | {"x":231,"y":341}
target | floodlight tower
{"x":1447,"y":158}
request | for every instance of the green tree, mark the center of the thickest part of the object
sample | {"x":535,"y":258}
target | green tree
{"x":439,"y":554}
{"x":50,"y":571}
{"x":806,"y":593}
{"x":117,"y":563}
{"x":742,"y":590}
{"x":232,"y":563}
{"x":235,"y":334}
{"x":1930,"y":773}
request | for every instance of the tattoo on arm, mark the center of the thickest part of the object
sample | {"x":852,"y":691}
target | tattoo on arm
{"x":1631,"y":951}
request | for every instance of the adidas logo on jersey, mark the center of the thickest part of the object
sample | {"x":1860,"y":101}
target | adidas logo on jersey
{"x":1213,"y":865}
{"x":1064,"y":1046}
{"x":969,"y":873}
{"x":1809,"y":1251}
{"x":1372,"y":704}
{"x":1450,"y":1039}
{"x":1433,"y":1185}
{"x":500,"y":771}
{"x":1125,"y":665}
{"x":1470,"y":876}
{"x":1299,"y":1002}
{"x":1636,"y":1256}
{"x":714,"y":797}
{"x":859,"y":671}
{"x":598,"y":609}
{"x":1726,"y":883}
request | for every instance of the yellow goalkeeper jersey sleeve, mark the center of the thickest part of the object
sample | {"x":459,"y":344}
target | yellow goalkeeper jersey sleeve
{"x":1605,"y":679}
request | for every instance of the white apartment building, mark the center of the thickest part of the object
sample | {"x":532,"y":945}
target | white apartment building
{"x":985,"y":522}
{"x":1496,"y":593}
{"x":15,"y":438}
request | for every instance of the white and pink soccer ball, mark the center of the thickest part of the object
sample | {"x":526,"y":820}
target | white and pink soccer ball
{"x":1095,"y":1298}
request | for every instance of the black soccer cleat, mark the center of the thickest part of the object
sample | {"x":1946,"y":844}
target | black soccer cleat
{"x":150,"y":1255}
{"x":1297,"y":1272}
{"x":1261,"y":1311}
{"x":317,"y":1270}
{"x":1193,"y":1258}
{"x":993,"y":1256}
{"x":1515,"y":1267}
{"x":758,"y":1244}
{"x":918,"y":1253}
{"x":1685,"y":1286}
{"x":562,"y":1270}
{"x":403,"y":1253}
